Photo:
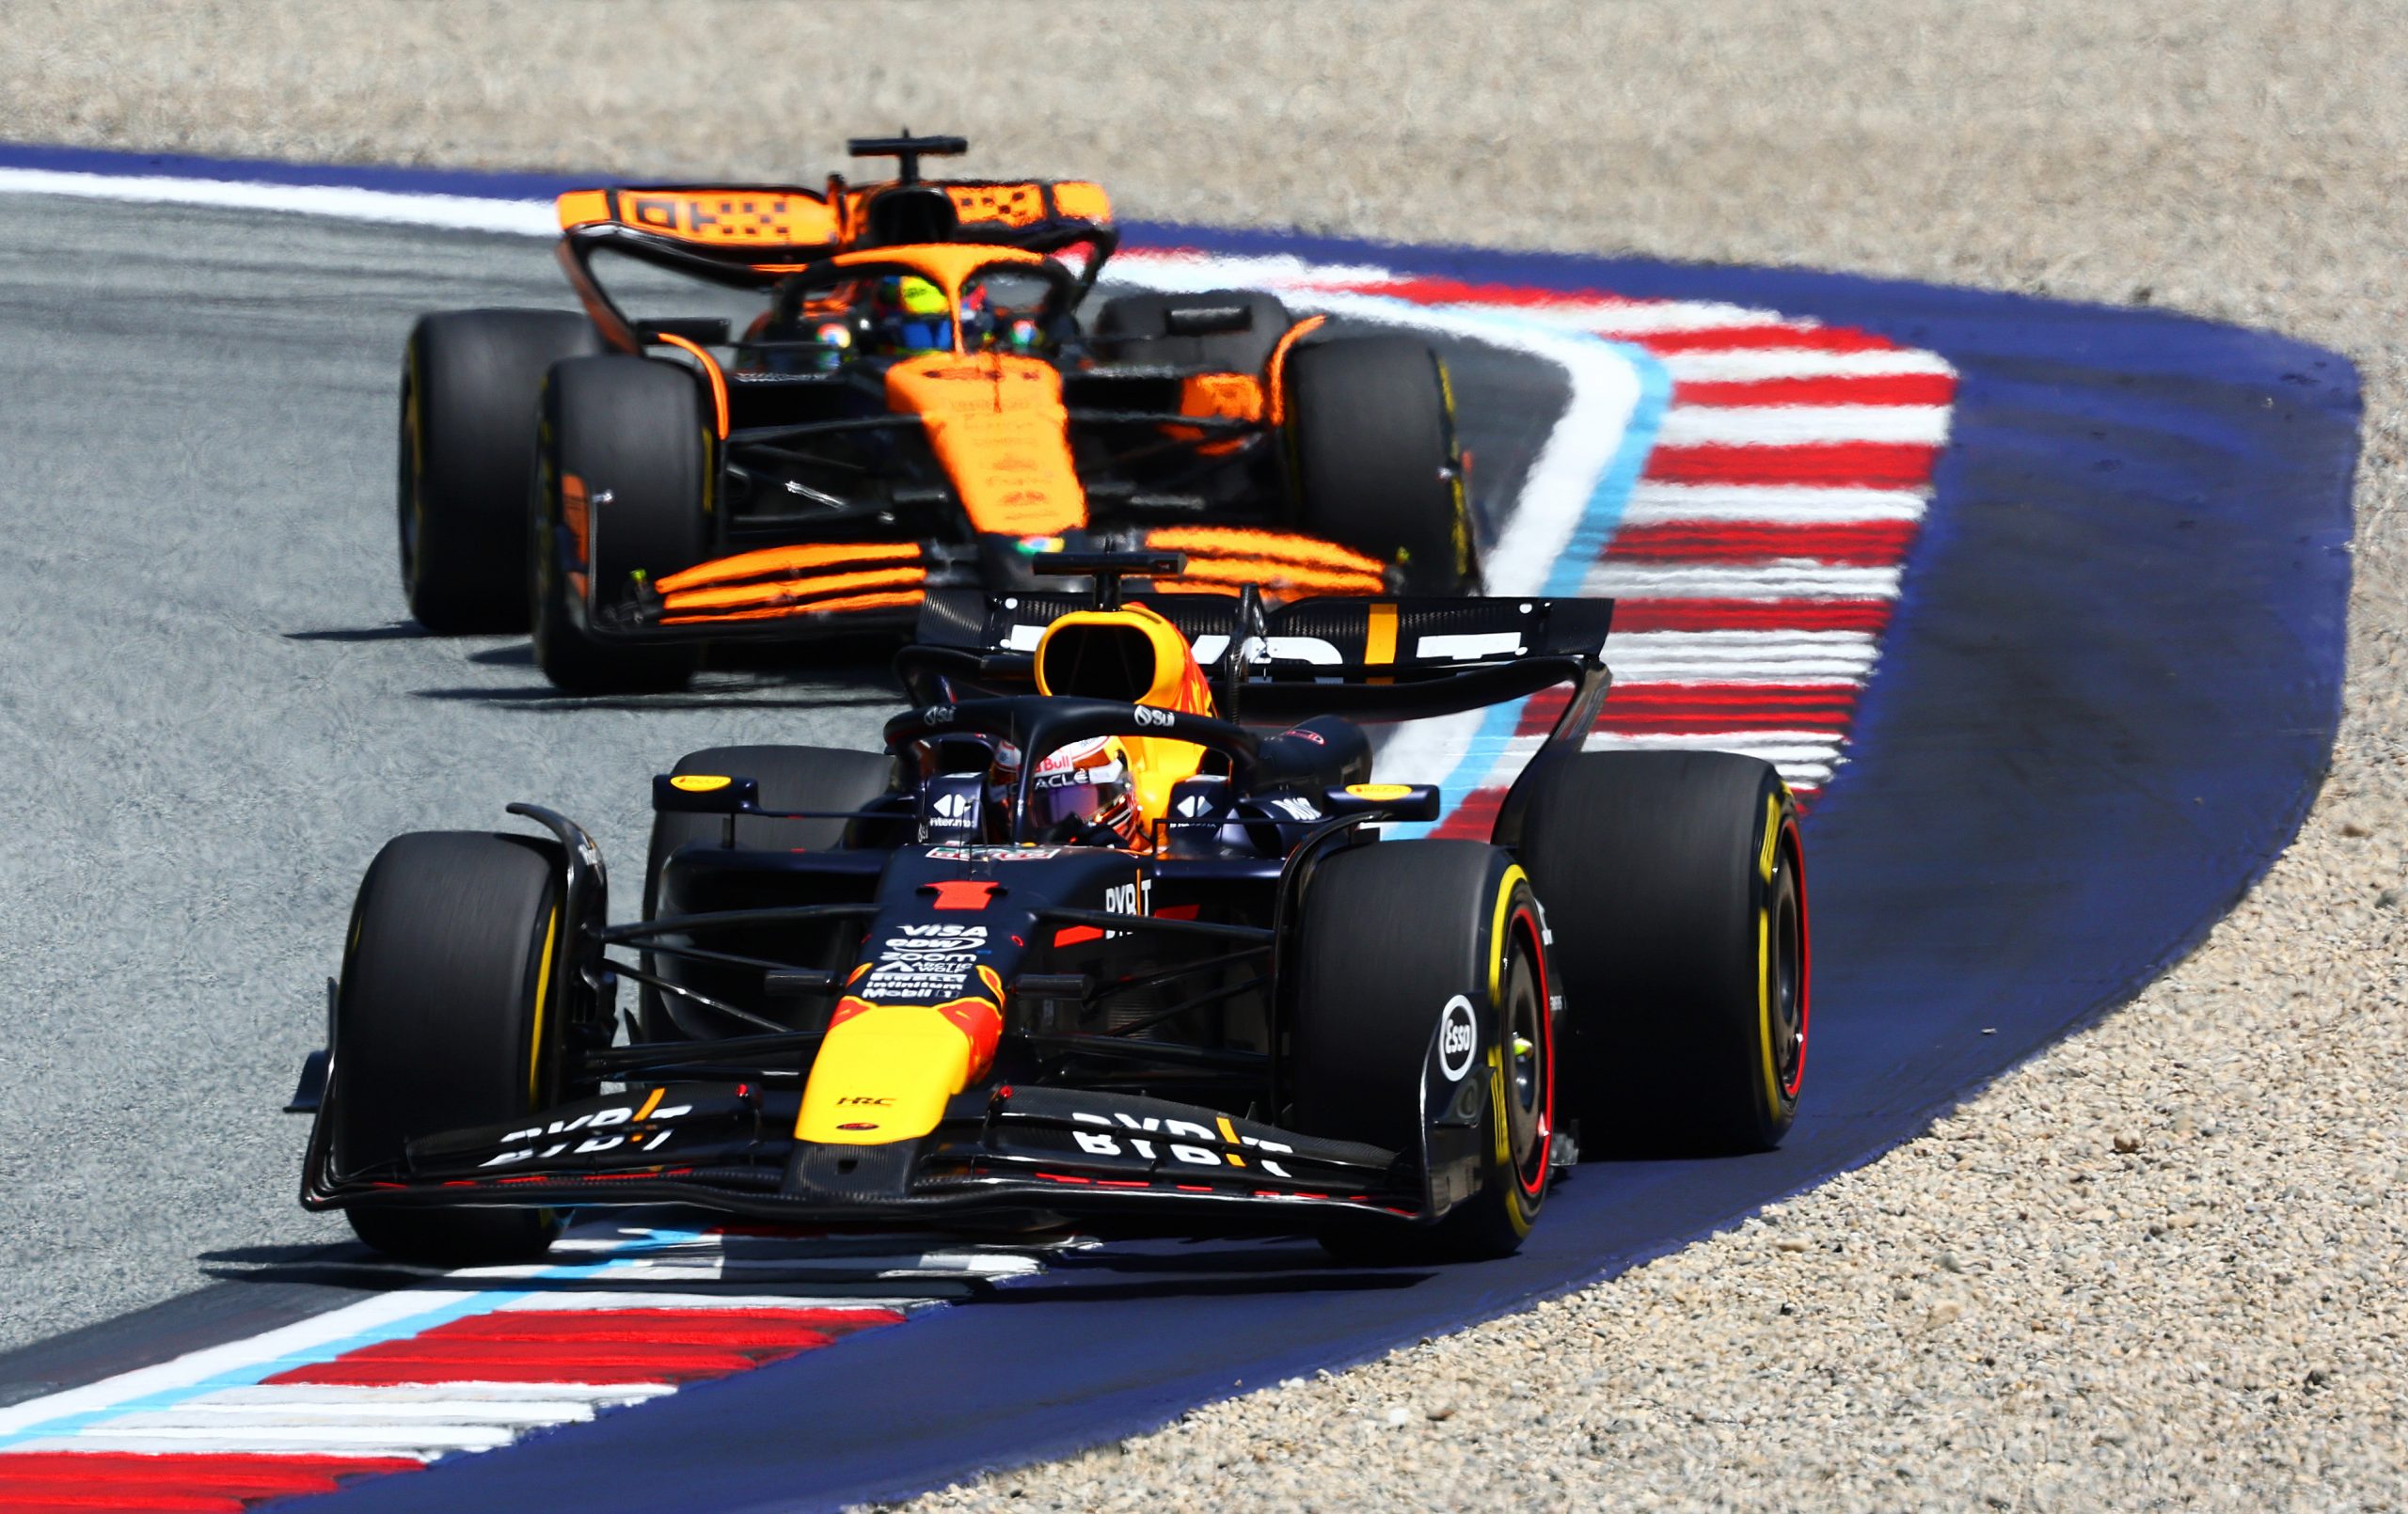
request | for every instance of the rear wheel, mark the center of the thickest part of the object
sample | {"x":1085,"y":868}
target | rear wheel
{"x":469,"y":380}
{"x":623,"y":497}
{"x":442,"y":1022}
{"x":1422,"y":974}
{"x":791,"y":778}
{"x":1372,"y":428}
{"x":1135,"y":328}
{"x":1675,"y":885}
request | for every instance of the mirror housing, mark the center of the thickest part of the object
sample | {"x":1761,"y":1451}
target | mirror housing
{"x":1392,"y":802}
{"x":705,"y":794}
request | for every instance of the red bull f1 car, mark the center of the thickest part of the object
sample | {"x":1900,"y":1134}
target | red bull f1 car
{"x":920,"y":400}
{"x":1108,"y":935}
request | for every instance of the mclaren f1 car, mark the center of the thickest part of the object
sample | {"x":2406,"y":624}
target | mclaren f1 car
{"x":921,"y":398}
{"x":1105,"y":936}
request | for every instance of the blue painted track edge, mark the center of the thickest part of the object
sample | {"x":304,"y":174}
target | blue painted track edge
{"x":1974,"y":329}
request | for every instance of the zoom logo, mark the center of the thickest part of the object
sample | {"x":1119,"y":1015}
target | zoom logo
{"x":1458,"y":1038}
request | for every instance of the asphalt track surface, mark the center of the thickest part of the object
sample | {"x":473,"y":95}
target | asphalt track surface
{"x":214,"y":710}
{"x":2073,"y":676}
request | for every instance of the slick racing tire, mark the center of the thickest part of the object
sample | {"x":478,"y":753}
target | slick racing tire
{"x":791,"y":778}
{"x":467,"y":449}
{"x":441,"y":1023}
{"x":1675,"y":885}
{"x":622,"y":492}
{"x":1422,"y":966}
{"x":1372,"y":432}
{"x":1135,"y":329}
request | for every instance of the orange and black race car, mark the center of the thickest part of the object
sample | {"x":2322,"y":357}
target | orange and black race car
{"x":1103,"y":935}
{"x":918,"y":390}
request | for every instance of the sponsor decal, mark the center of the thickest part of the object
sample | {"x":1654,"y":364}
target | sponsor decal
{"x":997,"y":854}
{"x":1380,"y":793}
{"x":937,"y":715}
{"x":1297,"y":809}
{"x":1458,"y":1038}
{"x":1128,"y":899}
{"x":1155,"y":1139}
{"x":1148,"y":715}
{"x":925,"y":962}
{"x":700,"y":783}
{"x":952,"y":806}
{"x":1302,"y":735}
{"x":589,"y":1130}
{"x":1195,"y":805}
{"x":1468,"y":648}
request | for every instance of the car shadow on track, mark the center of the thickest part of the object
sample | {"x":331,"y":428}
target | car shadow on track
{"x":850,"y":672}
{"x":546,"y":699}
{"x":396,"y":631}
{"x":354,"y":1270}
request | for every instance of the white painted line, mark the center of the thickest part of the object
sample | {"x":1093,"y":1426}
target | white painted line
{"x":1785,"y":578}
{"x":1782,"y":504}
{"x":122,"y":1434}
{"x":1924,"y":425}
{"x":1742,"y":656}
{"x":304,"y":1341}
{"x":1186,"y":271}
{"x":97,"y":1440}
{"x":1633,"y":318}
{"x":580,"y":1298}
{"x":1754,"y":365}
{"x":297,"y":1395}
{"x":455,"y":212}
{"x":459,"y":1408}
{"x":1801,"y":764}
{"x":1785,"y":749}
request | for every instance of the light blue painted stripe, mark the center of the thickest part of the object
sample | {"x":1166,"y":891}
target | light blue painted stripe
{"x":1599,"y":521}
{"x":400,"y":1327}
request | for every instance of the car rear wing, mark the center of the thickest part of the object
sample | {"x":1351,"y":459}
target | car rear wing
{"x":1319,"y":638}
{"x":1369,"y":659}
{"x":766,"y":227}
{"x":1362,"y":659}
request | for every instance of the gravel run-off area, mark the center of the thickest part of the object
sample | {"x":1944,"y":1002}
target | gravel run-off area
{"x":2162,"y":1265}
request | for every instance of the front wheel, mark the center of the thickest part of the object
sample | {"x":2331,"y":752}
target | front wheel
{"x":1675,"y":884}
{"x":1422,"y":1008}
{"x":448,"y":1017}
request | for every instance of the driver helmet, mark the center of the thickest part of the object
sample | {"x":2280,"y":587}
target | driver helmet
{"x":1078,"y":787}
{"x":908,"y":316}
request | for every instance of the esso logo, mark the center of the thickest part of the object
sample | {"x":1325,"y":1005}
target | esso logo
{"x":1458,"y":1038}
{"x":1148,"y":715}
